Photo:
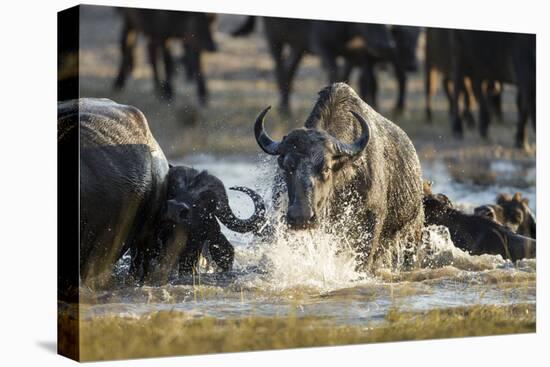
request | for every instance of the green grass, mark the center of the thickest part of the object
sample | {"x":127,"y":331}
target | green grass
{"x":175,"y":333}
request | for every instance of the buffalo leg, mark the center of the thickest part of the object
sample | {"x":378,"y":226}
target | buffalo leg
{"x":167,"y":91}
{"x":222,"y":251}
{"x":328,"y":60}
{"x":465,"y":90}
{"x":194,"y":68}
{"x":429,"y":86}
{"x":276,"y":49}
{"x":188,"y":261}
{"x":290,"y":71}
{"x":456,"y":121}
{"x":127,"y":45}
{"x":402,"y":87}
{"x":369,"y":249}
{"x":526,"y":100}
{"x":96,"y":272}
{"x":346,"y":72}
{"x":447,"y":84}
{"x":521,"y":133}
{"x":168,"y":256}
{"x":494,"y":98}
{"x":484,"y":116}
{"x":367,"y":83}
{"x":152,"y":52}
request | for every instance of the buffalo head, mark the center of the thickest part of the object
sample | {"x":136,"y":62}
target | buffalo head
{"x":195,"y":198}
{"x":512,"y":212}
{"x":311,"y":162}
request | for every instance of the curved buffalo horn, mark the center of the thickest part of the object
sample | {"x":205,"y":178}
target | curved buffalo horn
{"x":355,"y":148}
{"x":226,"y":216}
{"x":267,"y":144}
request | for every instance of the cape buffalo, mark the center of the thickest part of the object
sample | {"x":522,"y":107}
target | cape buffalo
{"x":327,"y":39}
{"x":131,"y":198}
{"x":198,"y":199}
{"x":352,"y":170}
{"x":192,"y":29}
{"x":513,"y":212}
{"x":394,"y":45}
{"x":484,"y":56}
{"x":476,"y":234}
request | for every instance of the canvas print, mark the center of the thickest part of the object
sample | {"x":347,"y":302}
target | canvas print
{"x":237,"y":183}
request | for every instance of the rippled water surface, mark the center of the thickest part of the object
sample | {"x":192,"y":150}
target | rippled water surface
{"x":313,"y":273}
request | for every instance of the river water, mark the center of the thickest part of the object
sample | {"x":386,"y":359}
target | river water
{"x":311,"y":273}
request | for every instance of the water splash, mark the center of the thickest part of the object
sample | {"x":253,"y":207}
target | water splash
{"x":438,"y":250}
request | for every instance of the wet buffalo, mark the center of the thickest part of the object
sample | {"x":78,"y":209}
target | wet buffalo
{"x":351,"y":170}
{"x":198,"y":199}
{"x":131,"y":198}
{"x":476,"y":234}
{"x":513,"y":212}
{"x":194,"y":32}
{"x":488,"y":56}
{"x":330,"y":40}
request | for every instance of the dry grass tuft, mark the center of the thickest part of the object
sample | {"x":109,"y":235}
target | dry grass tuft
{"x":174,"y":333}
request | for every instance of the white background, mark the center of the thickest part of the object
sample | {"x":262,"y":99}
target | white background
{"x":28,"y":182}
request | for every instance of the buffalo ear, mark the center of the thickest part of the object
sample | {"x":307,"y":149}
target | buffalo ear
{"x":517,"y":197}
{"x":427,"y":187}
{"x":503,"y":197}
{"x":525,"y":201}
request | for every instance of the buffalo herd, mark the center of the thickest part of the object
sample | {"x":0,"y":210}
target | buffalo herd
{"x":348,"y":169}
{"x":474,"y":65}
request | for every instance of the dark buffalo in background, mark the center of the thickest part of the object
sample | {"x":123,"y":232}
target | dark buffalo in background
{"x":513,"y":212}
{"x":439,"y":60}
{"x":348,"y":157}
{"x":360,"y":45}
{"x":476,"y":234}
{"x":406,"y":41}
{"x":283,"y":34}
{"x":132,"y":199}
{"x":192,"y":30}
{"x":402,"y":58}
{"x":509,"y":58}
